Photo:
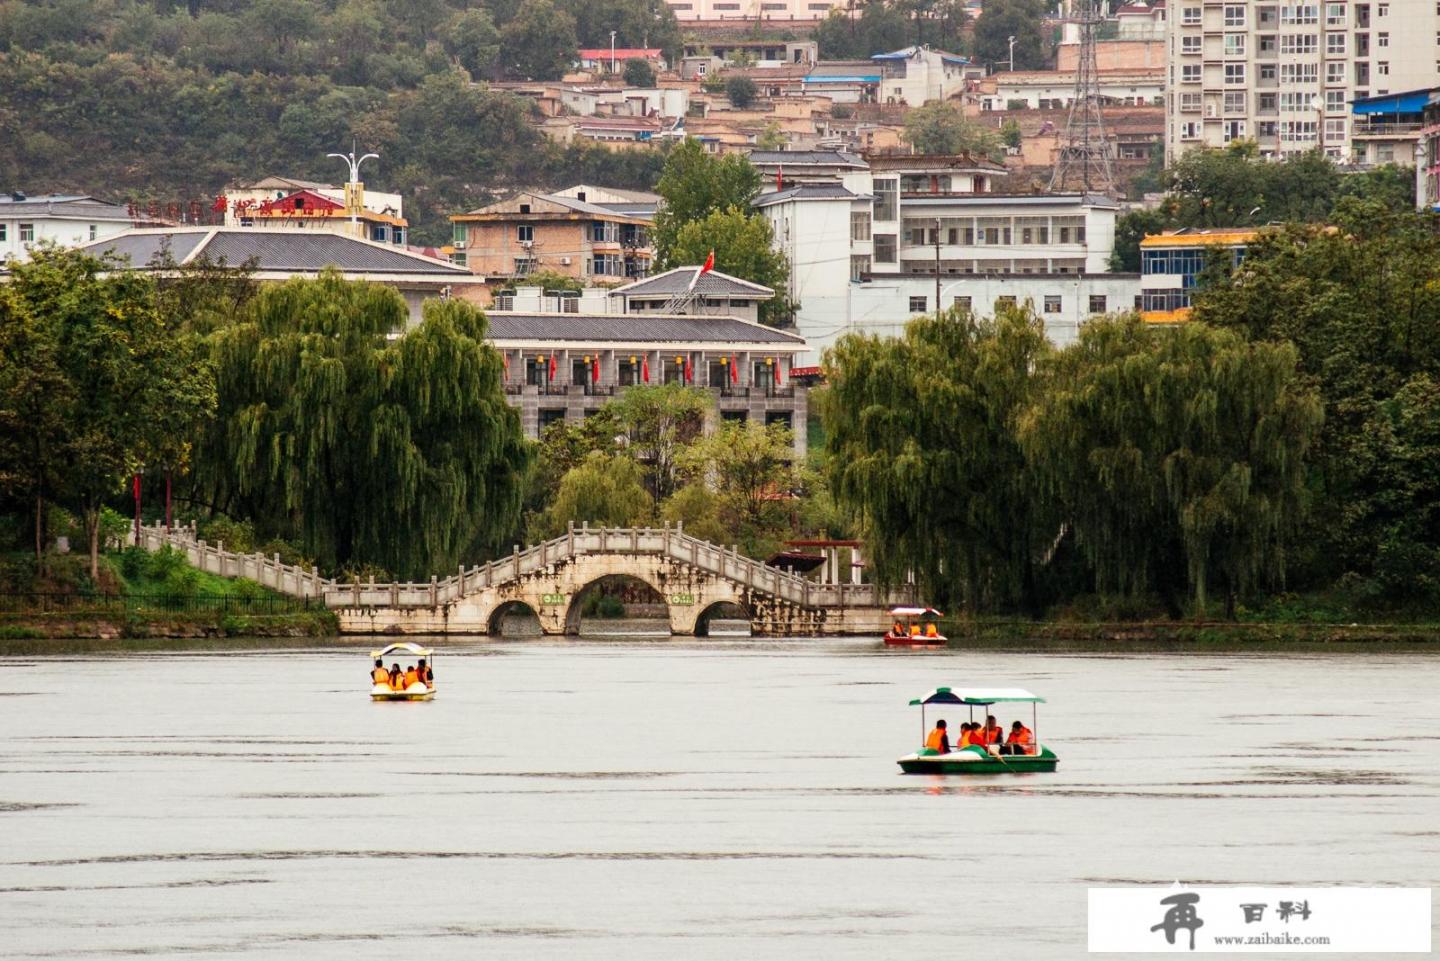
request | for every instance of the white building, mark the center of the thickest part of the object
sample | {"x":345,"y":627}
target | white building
{"x":1055,"y":89}
{"x":863,"y":245}
{"x":1285,"y":74}
{"x":689,"y":10}
{"x":67,"y":220}
{"x":918,"y":75}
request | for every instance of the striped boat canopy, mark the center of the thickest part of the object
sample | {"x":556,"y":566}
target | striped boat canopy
{"x":978,"y":696}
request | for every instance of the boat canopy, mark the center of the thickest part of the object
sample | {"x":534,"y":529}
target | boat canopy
{"x":415,"y":649}
{"x":977,"y":696}
{"x":915,"y":612}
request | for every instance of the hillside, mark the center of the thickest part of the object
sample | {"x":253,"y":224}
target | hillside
{"x":158,"y":100}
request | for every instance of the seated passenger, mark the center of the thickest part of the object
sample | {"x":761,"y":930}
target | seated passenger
{"x":939,"y":740}
{"x":397,"y":677}
{"x":412,"y":677}
{"x":897,"y":629}
{"x":967,"y":735}
{"x":930,"y":630}
{"x":379,"y":675}
{"x":992,"y":733}
{"x":1021,"y":741}
{"x":427,"y":676}
{"x":915,"y":630}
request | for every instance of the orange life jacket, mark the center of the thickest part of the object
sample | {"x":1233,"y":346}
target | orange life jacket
{"x":380,"y":676}
{"x":1022,"y":738}
{"x":914,"y":630}
{"x":965,"y":739}
{"x":933,"y":742}
{"x":930,"y":631}
{"x":992,"y":735}
{"x":411,"y":678}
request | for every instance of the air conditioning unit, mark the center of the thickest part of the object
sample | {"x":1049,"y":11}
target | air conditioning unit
{"x":565,"y":261}
{"x":458,"y":245}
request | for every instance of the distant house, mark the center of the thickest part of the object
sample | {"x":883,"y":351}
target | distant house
{"x":280,"y":254}
{"x":65,"y":219}
{"x":531,"y":231}
{"x":613,"y":61}
{"x":289,"y":202}
{"x":917,"y":75}
{"x":713,"y":294}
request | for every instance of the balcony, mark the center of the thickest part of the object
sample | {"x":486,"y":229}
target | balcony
{"x":1385,"y":130}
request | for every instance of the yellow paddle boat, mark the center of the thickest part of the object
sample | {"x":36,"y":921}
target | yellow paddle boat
{"x":403,"y":682}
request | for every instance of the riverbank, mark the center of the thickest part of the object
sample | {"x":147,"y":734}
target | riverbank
{"x":44,"y":629}
{"x":1186,"y":635}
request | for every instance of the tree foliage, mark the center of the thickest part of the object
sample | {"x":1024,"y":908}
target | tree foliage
{"x":695,"y":184}
{"x":743,"y":246}
{"x":659,"y":421}
{"x":639,"y":73}
{"x":749,"y":470}
{"x":1022,"y":19}
{"x":401,"y":454}
{"x":540,"y":41}
{"x":605,"y":490}
{"x":883,"y":26}
{"x":940,"y":128}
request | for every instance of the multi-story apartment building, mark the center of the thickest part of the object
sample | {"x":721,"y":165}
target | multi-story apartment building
{"x":1171,"y":264}
{"x":1284,"y":74}
{"x":529,"y":232}
{"x":62,"y":219}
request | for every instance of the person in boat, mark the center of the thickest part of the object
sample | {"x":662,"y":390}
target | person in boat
{"x":930,"y":630}
{"x":897,"y":629}
{"x":966,"y":738}
{"x":1019,"y":741}
{"x":427,"y":676}
{"x":397,"y":677}
{"x":992,"y":732}
{"x":379,"y":675}
{"x":939,"y":739}
{"x":915,"y":629}
{"x":412,"y":677}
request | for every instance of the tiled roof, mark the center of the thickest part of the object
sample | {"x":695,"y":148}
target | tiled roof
{"x":806,"y":192}
{"x":299,"y":250}
{"x":61,"y":205}
{"x":634,"y":328}
{"x":677,"y":281}
{"x":800,"y":157}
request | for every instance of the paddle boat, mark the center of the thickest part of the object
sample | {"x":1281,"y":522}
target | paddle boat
{"x":976,"y":758}
{"x":914,"y":627}
{"x":414,"y":692}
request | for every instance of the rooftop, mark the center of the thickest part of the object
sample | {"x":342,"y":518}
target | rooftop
{"x":1201,"y":237}
{"x":61,"y":205}
{"x":512,"y":327}
{"x":282,"y":250}
{"x":677,"y":281}
{"x":815,"y":158}
{"x":806,"y":192}
{"x":905,"y":53}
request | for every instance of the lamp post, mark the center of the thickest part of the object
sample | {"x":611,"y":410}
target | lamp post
{"x":1011,"y":41}
{"x":612,"y":52}
{"x":937,"y":265}
{"x":1317,"y":103}
{"x":352,"y":198}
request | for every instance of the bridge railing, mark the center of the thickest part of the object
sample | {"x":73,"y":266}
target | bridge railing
{"x":670,"y":542}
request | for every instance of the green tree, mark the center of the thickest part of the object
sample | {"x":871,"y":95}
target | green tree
{"x":751,"y":472}
{"x":474,"y":41}
{"x":921,"y":448}
{"x":540,"y":41}
{"x":660,"y":421}
{"x":939,"y":128}
{"x":125,"y":386}
{"x":771,"y":138}
{"x":401,"y":454}
{"x":743,"y":246}
{"x":880,"y":27}
{"x":1131,"y":228}
{"x":637,"y":23}
{"x":696,"y":184}
{"x":604,"y":490}
{"x":1021,"y":19}
{"x":740,"y":91}
{"x":639,"y":73}
{"x":1177,"y":457}
{"x":564,"y":446}
{"x":695,"y":509}
{"x":1011,"y":135}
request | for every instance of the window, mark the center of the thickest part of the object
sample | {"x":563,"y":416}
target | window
{"x":459,"y":258}
{"x":1299,"y":72}
{"x":961,"y":303}
{"x":1335,"y":43}
{"x":524,"y":208}
{"x":524,"y":266}
{"x":1234,"y":44}
{"x":1190,"y":101}
{"x":27,"y":233}
{"x":1005,"y":300}
{"x":4,"y":233}
{"x":1383,"y":68}
{"x":1233,"y":130}
{"x":885,"y":248}
{"x":1052,"y":303}
{"x":1190,"y":131}
{"x":1383,"y":10}
{"x":1234,"y":101}
{"x":1335,"y":15}
{"x":1267,"y":43}
{"x":1190,"y":44}
{"x":1267,"y":72}
{"x":1265,"y":101}
{"x":1235,"y":74}
{"x":1234,"y":16}
{"x":1335,"y":128}
{"x":859,"y":225}
{"x":1335,"y":72}
{"x":525,"y":233}
{"x":607,"y":265}
{"x":859,"y":267}
{"x":605,"y":232}
{"x":1190,"y":16}
{"x":94,"y":231}
{"x":917,"y":305}
{"x":1334,"y":101}
{"x":885,"y":200}
{"x":1299,"y":14}
{"x":1298,"y":43}
{"x":1190,"y":73}
{"x":1097,"y":303}
{"x":1382,"y":39}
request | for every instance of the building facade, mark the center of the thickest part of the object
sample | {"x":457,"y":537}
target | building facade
{"x":1171,"y":263}
{"x":1284,"y":74}
{"x":528,"y":232}
{"x":693,"y":10}
{"x":64,"y":219}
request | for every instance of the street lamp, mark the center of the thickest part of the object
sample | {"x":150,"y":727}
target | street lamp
{"x":612,"y":52}
{"x":1317,"y":103}
{"x":353,"y":202}
{"x":1011,"y":41}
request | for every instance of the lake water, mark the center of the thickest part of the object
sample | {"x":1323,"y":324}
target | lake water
{"x":664,"y":799}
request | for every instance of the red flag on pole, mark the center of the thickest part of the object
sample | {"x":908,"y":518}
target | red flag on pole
{"x":734,"y":370}
{"x":506,"y":359}
{"x":552,"y":366}
{"x":689,"y":372}
{"x":645,"y":369}
{"x":595,"y":372}
{"x":779,"y":176}
{"x":709,"y":263}
{"x":777,"y":372}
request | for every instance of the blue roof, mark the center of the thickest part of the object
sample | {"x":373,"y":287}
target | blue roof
{"x":855,"y":79}
{"x":908,"y":52}
{"x":1409,"y":101}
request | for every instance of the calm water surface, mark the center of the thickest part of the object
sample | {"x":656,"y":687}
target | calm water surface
{"x":712,"y":799}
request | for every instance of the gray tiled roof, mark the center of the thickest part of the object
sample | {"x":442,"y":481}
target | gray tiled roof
{"x":634,"y":328}
{"x":807,"y":157}
{"x":677,"y":281}
{"x":806,"y":192}
{"x":61,"y":205}
{"x":275,"y":250}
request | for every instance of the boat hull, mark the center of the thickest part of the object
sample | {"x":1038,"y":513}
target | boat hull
{"x":975,"y":760}
{"x":385,"y":694}
{"x":907,"y":640}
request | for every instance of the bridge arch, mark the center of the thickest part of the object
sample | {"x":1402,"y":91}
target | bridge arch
{"x":575,"y":610}
{"x":721,"y":610}
{"x":495,"y":623}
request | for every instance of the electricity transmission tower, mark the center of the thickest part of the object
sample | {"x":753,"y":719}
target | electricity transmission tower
{"x":1084,"y":148}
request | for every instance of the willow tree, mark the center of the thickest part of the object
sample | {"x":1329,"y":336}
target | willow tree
{"x":1177,"y":456}
{"x":921,"y":447}
{"x":604,"y":490}
{"x":398,"y":452}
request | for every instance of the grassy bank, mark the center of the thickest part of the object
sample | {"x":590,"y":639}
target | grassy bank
{"x":1184,"y":635}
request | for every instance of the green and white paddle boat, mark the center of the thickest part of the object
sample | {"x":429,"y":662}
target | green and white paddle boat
{"x":976,"y":758}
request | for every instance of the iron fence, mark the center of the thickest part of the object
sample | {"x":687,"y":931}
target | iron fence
{"x":39,"y":602}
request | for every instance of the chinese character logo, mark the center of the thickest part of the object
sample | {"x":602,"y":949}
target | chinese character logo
{"x":1181,"y":914}
{"x":1253,"y":912}
{"x":1290,"y":908}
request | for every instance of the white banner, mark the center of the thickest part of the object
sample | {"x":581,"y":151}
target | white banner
{"x":1226,"y":920}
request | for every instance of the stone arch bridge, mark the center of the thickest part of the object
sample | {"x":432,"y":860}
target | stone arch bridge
{"x":696,"y":579}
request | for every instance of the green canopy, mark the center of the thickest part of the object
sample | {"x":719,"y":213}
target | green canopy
{"x":978,"y":696}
